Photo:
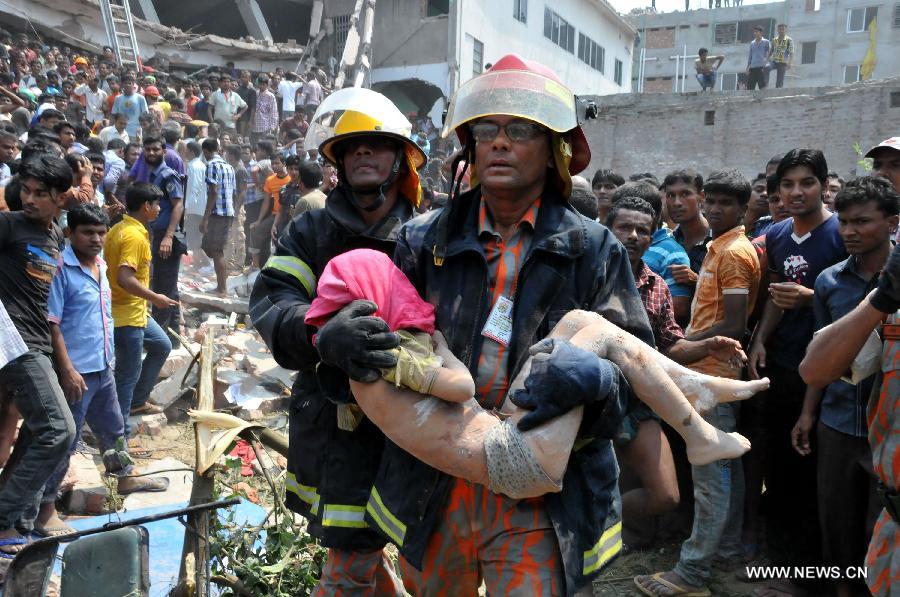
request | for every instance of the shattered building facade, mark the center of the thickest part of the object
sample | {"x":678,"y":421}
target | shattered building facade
{"x":420,"y":50}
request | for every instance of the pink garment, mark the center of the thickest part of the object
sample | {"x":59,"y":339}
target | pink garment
{"x":370,"y":275}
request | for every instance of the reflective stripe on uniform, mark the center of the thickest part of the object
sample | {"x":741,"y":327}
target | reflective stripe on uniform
{"x":341,"y":515}
{"x":386,"y":521}
{"x":295,"y":267}
{"x":604,"y":550}
{"x":304,"y":492}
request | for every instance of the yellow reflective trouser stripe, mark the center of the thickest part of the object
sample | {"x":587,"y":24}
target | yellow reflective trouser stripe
{"x":304,"y":492}
{"x":339,"y":515}
{"x":386,"y":521}
{"x":294,"y":267}
{"x":604,"y":550}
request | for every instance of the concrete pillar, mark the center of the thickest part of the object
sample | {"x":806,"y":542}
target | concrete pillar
{"x":148,"y":10}
{"x":253,"y":19}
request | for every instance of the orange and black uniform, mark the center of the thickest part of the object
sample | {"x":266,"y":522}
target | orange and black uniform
{"x":556,"y":262}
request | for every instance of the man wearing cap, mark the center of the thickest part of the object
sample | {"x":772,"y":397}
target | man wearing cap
{"x":886,"y":160}
{"x":151,"y":95}
{"x":332,"y":464}
{"x":503,"y":264}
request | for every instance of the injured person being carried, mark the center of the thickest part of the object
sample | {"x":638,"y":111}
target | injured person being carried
{"x":425,"y":404}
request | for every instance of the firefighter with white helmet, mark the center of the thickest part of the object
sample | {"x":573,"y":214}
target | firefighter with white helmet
{"x":332,"y":458}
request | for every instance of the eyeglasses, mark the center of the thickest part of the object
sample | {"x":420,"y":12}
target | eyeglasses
{"x":485,"y":132}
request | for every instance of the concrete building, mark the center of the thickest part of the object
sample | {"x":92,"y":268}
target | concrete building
{"x":662,"y":132}
{"x":831,"y":39}
{"x":424,"y":49}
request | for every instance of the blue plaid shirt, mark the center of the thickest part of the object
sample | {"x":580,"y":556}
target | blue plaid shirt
{"x":221,"y":174}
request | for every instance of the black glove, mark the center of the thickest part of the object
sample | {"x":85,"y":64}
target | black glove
{"x":887,"y":296}
{"x":562,"y":377}
{"x":357,"y":343}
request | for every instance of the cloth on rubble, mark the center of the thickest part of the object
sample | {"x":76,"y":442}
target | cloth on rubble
{"x":371,"y":275}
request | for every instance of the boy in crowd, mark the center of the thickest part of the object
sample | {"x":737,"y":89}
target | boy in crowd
{"x":128,"y":256}
{"x":604,"y":184}
{"x":726,"y":291}
{"x":195,"y":204}
{"x":81,"y":329}
{"x":30,"y":243}
{"x":848,"y":501}
{"x":832,"y":188}
{"x":268,"y":211}
{"x":684,"y":196}
{"x":798,"y":250}
{"x":219,"y":215}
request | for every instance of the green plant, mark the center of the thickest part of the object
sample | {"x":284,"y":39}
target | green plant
{"x":274,"y":559}
{"x":862,"y":161}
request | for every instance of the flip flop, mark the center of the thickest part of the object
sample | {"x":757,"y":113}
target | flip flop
{"x":11,"y":555}
{"x":54,"y":532}
{"x":152,"y":485}
{"x":674,"y":588}
{"x":146,"y":409}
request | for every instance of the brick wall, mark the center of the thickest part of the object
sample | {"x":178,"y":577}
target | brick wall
{"x":661,"y":132}
{"x":660,"y":38}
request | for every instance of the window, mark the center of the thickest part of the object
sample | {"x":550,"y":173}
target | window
{"x":520,"y":10}
{"x":617,"y":77}
{"x":559,"y":31}
{"x":591,"y":53}
{"x":852,"y":73}
{"x":745,"y":29}
{"x":808,"y":52}
{"x":725,"y":33}
{"x":741,"y":32}
{"x":858,"y":19}
{"x":897,"y":16}
{"x":813,"y":5}
{"x":709,"y":117}
{"x":477,"y":57}
{"x":729,"y":82}
{"x":437,"y":8}
{"x":895,"y":99}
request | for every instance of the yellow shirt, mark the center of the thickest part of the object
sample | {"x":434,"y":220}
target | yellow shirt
{"x":128,"y":243}
{"x":730,"y":267}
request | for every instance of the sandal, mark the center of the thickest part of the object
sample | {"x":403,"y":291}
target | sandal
{"x":11,"y":542}
{"x":148,"y":484}
{"x":674,"y":589}
{"x":146,"y":408}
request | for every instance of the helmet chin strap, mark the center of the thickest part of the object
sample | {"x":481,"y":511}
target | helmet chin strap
{"x":379,"y":201}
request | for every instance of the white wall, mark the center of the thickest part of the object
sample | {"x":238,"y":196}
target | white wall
{"x":492,"y":23}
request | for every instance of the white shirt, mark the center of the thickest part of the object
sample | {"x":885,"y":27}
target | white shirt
{"x":195,"y":192}
{"x":312,"y":93}
{"x":109,"y":133}
{"x":94,"y":101}
{"x":288,"y":91}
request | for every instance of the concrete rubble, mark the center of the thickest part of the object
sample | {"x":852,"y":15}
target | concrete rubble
{"x":249,"y":384}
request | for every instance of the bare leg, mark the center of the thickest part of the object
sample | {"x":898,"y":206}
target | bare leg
{"x":702,"y":391}
{"x":650,"y":457}
{"x":650,"y":382}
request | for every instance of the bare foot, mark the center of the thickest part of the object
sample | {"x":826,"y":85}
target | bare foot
{"x":706,"y":391}
{"x":11,"y":543}
{"x":725,"y":446}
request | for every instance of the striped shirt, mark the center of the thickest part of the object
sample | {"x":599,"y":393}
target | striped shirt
{"x":504,"y":261}
{"x":221,"y":174}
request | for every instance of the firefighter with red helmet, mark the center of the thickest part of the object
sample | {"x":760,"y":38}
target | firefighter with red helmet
{"x":503,"y":263}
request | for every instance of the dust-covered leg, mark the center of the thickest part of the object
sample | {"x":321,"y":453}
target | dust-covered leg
{"x":654,"y":386}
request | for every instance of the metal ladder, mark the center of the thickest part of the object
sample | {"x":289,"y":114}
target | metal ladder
{"x":120,"y":32}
